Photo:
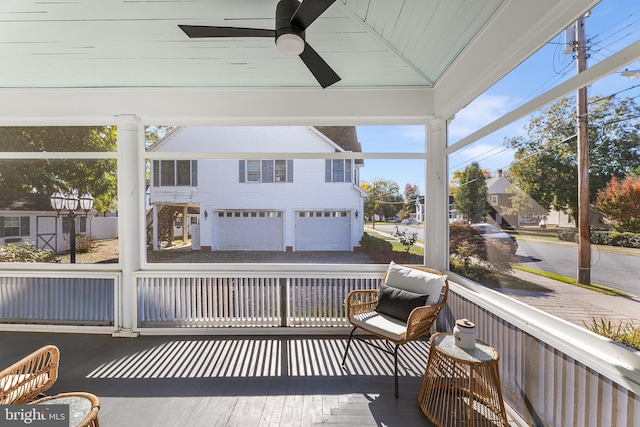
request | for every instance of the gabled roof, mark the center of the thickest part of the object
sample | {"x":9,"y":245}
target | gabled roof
{"x":16,"y":201}
{"x":497,"y":185}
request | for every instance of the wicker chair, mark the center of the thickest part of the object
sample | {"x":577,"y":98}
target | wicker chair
{"x":362,"y":314}
{"x":30,"y":376}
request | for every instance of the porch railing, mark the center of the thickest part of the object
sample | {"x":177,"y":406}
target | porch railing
{"x":553,"y":373}
{"x":201,"y":300}
{"x":68,"y":299}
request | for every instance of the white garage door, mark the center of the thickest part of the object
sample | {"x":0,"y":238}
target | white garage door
{"x":248,"y":230}
{"x":323,"y":231}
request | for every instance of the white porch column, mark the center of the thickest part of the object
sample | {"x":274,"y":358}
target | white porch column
{"x":129,"y":217}
{"x":436,"y":218}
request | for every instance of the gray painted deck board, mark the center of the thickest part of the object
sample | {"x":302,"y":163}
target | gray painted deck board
{"x":232,"y":381}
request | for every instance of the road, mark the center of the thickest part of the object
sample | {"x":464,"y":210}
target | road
{"x":615,"y":270}
{"x":609,"y":268}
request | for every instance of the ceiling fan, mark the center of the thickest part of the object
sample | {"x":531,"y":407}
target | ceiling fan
{"x":292,"y":19}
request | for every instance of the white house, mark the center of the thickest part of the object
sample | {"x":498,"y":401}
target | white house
{"x":29,"y":217}
{"x":275,"y":204}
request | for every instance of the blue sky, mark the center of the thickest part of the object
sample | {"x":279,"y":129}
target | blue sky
{"x":613,"y":25}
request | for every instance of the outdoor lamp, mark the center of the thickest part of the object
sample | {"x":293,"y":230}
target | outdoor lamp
{"x":86,"y":202}
{"x":72,"y":202}
{"x":58,"y":201}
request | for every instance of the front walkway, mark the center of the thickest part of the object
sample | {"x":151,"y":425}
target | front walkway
{"x":574,"y":304}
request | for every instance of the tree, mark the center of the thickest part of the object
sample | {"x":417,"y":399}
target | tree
{"x":545,"y":165}
{"x":410,"y":196}
{"x":469,"y":191}
{"x":620,"y":203}
{"x":97,"y":176}
{"x":383,"y":198}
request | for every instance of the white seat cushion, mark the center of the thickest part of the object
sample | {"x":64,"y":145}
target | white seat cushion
{"x":380,"y":324}
{"x":418,"y":281}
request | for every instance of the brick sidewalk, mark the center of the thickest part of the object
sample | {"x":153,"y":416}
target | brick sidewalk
{"x":575,"y":304}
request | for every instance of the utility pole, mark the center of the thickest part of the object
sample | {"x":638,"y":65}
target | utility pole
{"x":584,"y":235}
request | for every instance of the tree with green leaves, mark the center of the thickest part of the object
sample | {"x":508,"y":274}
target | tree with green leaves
{"x":383,"y":198}
{"x":545,"y":165}
{"x":45,"y":176}
{"x":469,"y":191}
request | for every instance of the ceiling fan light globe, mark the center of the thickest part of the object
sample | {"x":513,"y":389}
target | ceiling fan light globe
{"x":290,"y":44}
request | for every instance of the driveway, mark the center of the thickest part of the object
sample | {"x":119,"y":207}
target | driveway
{"x":186,"y":255}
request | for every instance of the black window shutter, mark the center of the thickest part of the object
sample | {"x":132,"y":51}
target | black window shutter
{"x":241,"y":171}
{"x":1,"y":226}
{"x":267,"y":171}
{"x":290,"y":170}
{"x":327,"y":170}
{"x":194,"y":173}
{"x":25,"y":230}
{"x":156,"y":173}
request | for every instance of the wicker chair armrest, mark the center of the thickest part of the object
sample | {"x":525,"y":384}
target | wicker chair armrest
{"x":30,"y":376}
{"x":361,"y":301}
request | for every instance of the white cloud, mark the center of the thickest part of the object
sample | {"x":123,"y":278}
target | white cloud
{"x":484,"y":110}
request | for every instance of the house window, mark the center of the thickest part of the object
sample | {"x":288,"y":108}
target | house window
{"x":494,"y":200}
{"x":338,"y":170}
{"x":173,"y":173}
{"x":253,"y":170}
{"x":12,"y":226}
{"x":81,"y":224}
{"x":266,"y":171}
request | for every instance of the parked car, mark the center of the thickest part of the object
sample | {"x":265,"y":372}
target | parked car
{"x":490,"y":231}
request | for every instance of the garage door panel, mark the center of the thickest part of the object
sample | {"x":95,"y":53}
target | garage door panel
{"x":249,"y":230}
{"x":323,"y":231}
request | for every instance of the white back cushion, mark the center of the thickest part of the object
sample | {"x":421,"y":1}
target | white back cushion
{"x":418,"y":281}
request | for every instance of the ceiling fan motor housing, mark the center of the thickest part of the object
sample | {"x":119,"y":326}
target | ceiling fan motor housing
{"x":284,"y":12}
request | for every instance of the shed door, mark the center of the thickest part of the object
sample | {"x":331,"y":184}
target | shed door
{"x":323,"y":231}
{"x":248,"y":230}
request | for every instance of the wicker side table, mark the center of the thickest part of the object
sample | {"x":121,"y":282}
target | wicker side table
{"x":83,"y":407}
{"x":461,"y":387}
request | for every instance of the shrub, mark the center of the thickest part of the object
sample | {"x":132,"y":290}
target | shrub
{"x":381,"y":251}
{"x":568,"y":234}
{"x":468,"y":248}
{"x":627,"y":334}
{"x":26,"y":252}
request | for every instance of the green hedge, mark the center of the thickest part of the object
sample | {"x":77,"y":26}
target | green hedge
{"x":602,"y":237}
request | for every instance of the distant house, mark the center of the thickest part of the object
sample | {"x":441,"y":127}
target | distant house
{"x":420,"y":210}
{"x":258,"y":204}
{"x":498,"y":200}
{"x":28,"y":217}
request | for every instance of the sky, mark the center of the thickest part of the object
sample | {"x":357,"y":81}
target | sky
{"x":611,"y":26}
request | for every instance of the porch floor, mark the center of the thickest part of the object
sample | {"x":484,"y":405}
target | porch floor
{"x":233,"y":380}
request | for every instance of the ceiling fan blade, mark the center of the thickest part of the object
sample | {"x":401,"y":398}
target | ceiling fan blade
{"x":309,"y":11}
{"x":200,"y":31}
{"x":320,"y":69}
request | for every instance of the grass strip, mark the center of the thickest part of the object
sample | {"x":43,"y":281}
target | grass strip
{"x":571,"y":281}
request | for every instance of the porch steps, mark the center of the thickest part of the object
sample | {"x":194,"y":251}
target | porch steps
{"x":373,"y":410}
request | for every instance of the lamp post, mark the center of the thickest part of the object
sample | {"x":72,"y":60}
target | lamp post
{"x":69,"y":202}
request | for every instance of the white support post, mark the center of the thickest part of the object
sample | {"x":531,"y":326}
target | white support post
{"x":436,"y":218}
{"x":129,"y":219}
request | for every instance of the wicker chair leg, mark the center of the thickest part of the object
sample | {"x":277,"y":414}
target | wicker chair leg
{"x":395,"y":366}
{"x":346,"y":351}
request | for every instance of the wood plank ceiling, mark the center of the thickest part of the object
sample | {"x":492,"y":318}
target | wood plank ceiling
{"x":128,"y":43}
